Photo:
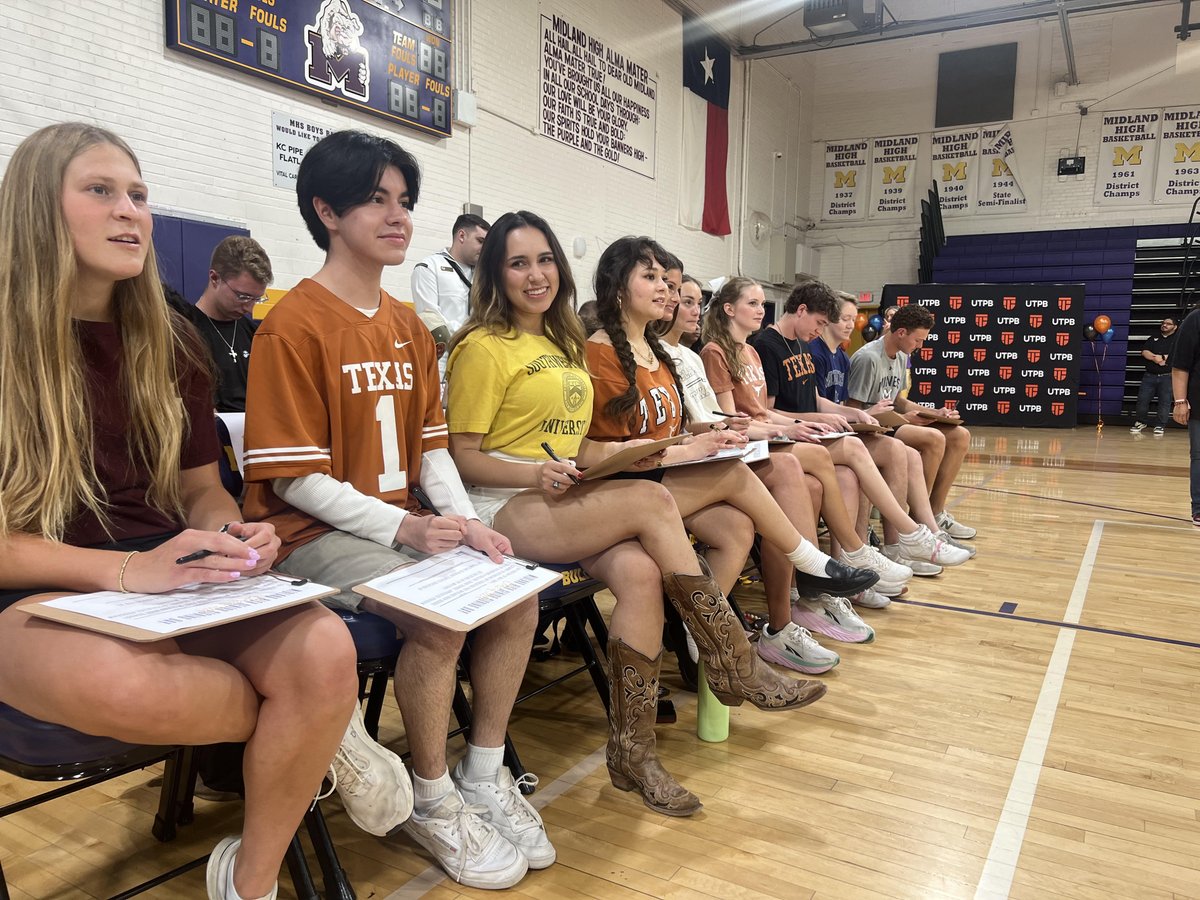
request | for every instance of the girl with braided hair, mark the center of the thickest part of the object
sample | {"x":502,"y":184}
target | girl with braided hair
{"x":637,"y":397}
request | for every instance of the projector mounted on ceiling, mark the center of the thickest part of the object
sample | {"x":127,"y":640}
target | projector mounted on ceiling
{"x":830,"y":17}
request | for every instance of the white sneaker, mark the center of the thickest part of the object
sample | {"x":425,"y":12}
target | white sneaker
{"x":892,"y":576}
{"x":920,"y":567}
{"x":954,"y":528}
{"x":924,"y":544}
{"x":970,"y":548}
{"x":1138,"y":428}
{"x":510,"y":813}
{"x":833,"y":617}
{"x":871,"y":599}
{"x":463,"y":842}
{"x":219,"y":875}
{"x":371,"y":780}
{"x":795,"y":648}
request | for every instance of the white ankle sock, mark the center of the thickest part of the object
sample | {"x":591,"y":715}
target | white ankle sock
{"x":429,"y":793}
{"x":862,"y":554}
{"x":807,"y":558}
{"x":482,"y":763}
{"x":232,"y":894}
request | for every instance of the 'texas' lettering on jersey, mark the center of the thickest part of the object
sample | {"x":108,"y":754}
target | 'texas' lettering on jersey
{"x":797,"y":367}
{"x":384,"y":375}
{"x":667,"y":405}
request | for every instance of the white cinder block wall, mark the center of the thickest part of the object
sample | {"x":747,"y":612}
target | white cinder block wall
{"x":890,"y":88}
{"x":203,"y":133}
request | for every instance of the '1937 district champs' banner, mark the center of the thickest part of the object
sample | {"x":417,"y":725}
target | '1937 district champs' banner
{"x":1001,"y":354}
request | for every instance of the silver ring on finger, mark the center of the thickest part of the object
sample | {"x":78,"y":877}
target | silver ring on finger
{"x":556,"y":485}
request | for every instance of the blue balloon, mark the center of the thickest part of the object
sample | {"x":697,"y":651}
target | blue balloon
{"x":1107,"y":336}
{"x":876,"y":322}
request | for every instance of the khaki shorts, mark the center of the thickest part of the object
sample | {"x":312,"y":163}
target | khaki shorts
{"x":342,"y":561}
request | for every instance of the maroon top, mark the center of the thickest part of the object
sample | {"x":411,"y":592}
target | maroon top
{"x":126,"y":481}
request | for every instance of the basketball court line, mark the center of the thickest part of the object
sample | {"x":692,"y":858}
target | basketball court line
{"x":996,"y":879}
{"x":1136,"y":512}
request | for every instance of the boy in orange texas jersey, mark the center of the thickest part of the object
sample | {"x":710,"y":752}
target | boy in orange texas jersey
{"x":343,"y":418}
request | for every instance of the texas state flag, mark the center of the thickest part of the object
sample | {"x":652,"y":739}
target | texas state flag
{"x":703,"y":201}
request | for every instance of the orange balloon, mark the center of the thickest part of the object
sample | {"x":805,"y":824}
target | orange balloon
{"x":1102,"y":324}
{"x":860,"y":321}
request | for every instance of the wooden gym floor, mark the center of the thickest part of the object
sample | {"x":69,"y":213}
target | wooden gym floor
{"x":1026,"y":726}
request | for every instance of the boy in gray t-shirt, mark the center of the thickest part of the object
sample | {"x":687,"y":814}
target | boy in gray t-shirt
{"x":878,"y":372}
{"x":875,"y":376}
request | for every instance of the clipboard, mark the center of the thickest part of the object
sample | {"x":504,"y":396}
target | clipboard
{"x":891,"y":419}
{"x":623,"y":459}
{"x":937,"y":418}
{"x":459,"y":589}
{"x":190,"y":602}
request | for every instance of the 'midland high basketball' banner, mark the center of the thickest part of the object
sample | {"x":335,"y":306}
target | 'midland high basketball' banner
{"x":893,"y":171}
{"x":1128,"y":152}
{"x":955,"y":155}
{"x":846,"y":167}
{"x":1001,"y":354}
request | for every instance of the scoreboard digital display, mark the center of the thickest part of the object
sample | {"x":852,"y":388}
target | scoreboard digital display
{"x":1001,"y":354}
{"x":390,"y":58}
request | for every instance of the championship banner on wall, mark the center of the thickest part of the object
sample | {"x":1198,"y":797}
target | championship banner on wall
{"x":999,"y":184}
{"x":893,"y":167}
{"x":1179,"y":156}
{"x":955,"y":155}
{"x":1128,"y":152}
{"x":1001,"y":354}
{"x":845,"y":180}
{"x":596,"y":99}
{"x":384,"y":57}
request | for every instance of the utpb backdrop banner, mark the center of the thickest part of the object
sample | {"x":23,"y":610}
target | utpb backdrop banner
{"x":846,"y":167}
{"x":1179,"y":156}
{"x":385,"y":57}
{"x":1001,"y":354}
{"x":596,"y":99}
{"x":1128,"y":153}
{"x":999,"y":183}
{"x":955,"y":156}
{"x":893,"y":170}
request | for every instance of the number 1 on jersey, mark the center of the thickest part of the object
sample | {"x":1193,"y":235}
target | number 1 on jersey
{"x":393,"y":478}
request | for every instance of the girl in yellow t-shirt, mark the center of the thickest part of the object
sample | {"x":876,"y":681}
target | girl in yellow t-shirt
{"x":517,"y":378}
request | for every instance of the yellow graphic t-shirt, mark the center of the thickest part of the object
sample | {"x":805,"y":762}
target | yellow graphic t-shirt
{"x":518,"y":390}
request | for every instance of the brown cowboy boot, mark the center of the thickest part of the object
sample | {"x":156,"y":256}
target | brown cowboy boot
{"x":733,"y":670}
{"x":632,"y":761}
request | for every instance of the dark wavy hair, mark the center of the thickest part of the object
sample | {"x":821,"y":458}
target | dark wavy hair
{"x":490,"y":308}
{"x":618,"y":262}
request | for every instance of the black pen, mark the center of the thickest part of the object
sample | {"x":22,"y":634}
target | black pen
{"x":203,"y":554}
{"x":725,"y":415}
{"x":554,"y":456}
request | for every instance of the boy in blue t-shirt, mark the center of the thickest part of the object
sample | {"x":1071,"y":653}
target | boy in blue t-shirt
{"x":829,"y":359}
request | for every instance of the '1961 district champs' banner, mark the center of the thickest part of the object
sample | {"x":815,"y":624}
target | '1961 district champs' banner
{"x":1001,"y":354}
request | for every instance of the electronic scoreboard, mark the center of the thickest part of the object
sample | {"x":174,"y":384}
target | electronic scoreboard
{"x":390,"y":58}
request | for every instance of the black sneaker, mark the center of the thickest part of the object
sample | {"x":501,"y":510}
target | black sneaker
{"x":840,"y":580}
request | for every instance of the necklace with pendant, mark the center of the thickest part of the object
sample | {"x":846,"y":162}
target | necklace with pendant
{"x":232,"y":345}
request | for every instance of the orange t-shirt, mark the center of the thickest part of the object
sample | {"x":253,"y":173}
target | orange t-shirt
{"x":334,"y":391}
{"x":659,"y":413}
{"x":750,"y":391}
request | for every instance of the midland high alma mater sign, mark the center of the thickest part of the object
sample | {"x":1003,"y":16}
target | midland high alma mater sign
{"x":390,"y":58}
{"x":1001,"y":354}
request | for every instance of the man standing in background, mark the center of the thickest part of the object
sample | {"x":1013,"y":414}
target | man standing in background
{"x":1156,"y":380}
{"x":1185,"y":379}
{"x":441,"y":283}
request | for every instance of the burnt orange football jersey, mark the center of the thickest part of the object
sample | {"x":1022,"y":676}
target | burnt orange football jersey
{"x":659,"y":413}
{"x":332,"y":390}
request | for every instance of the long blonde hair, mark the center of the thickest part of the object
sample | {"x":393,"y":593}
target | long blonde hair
{"x":716,"y":324}
{"x":47,"y":465}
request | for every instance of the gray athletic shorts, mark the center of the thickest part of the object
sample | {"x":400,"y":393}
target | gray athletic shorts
{"x":343,"y":560}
